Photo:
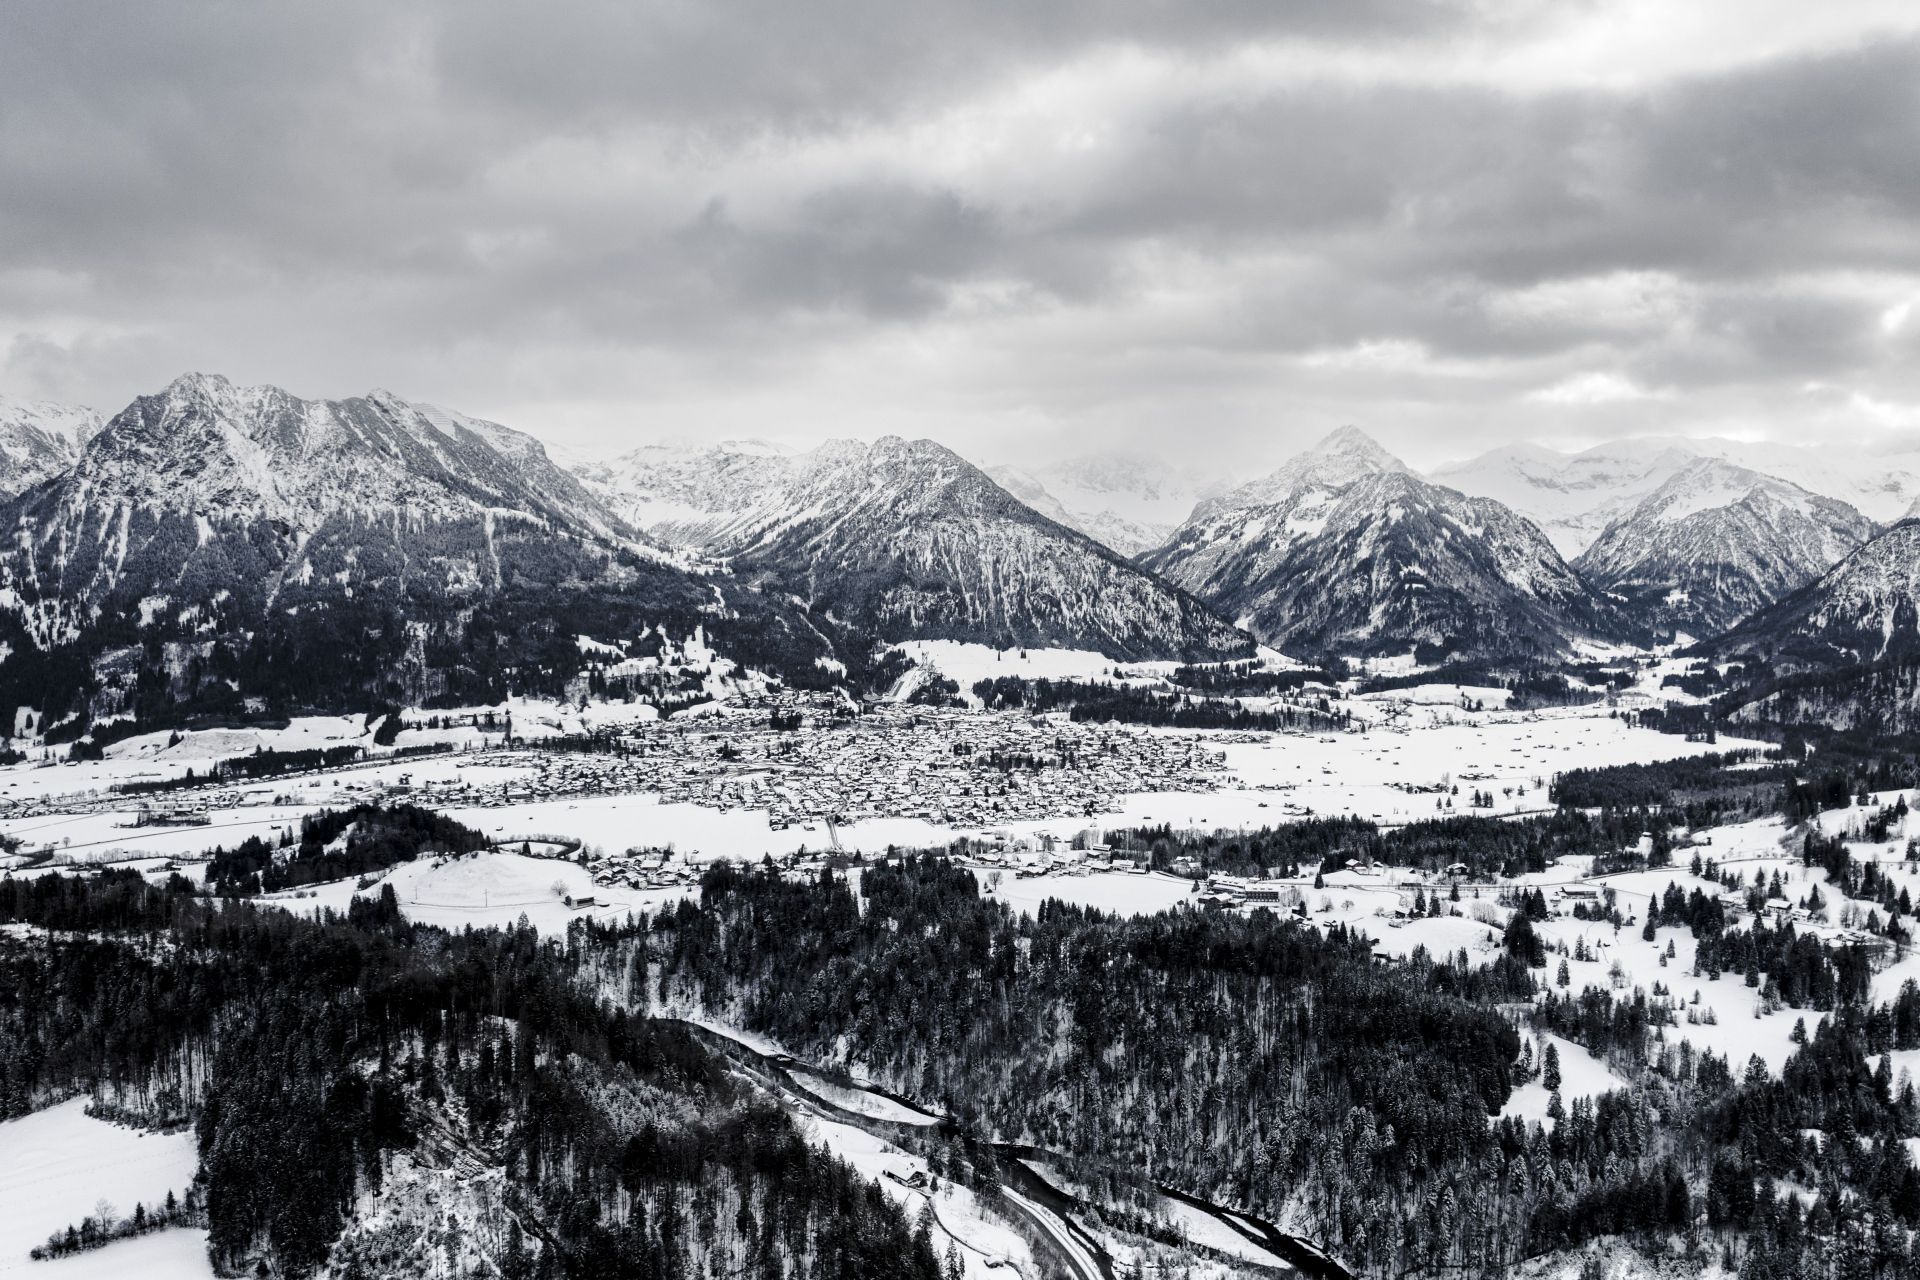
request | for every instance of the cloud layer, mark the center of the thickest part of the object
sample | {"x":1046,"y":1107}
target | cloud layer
{"x":1212,"y":229}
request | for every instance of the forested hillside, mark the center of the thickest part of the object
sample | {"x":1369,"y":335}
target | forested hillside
{"x":383,"y":1100}
{"x":1258,"y":1064}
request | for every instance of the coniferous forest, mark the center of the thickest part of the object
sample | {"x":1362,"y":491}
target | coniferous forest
{"x":503,"y":1118}
{"x":519,"y":1089}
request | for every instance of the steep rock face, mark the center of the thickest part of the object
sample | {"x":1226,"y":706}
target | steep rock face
{"x":908,"y":540}
{"x":1717,"y":542}
{"x":215,"y":544}
{"x":39,"y":440}
{"x":1345,"y":551}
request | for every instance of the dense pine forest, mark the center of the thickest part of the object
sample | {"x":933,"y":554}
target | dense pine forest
{"x":464,"y":1093}
{"x":1256,"y":1063}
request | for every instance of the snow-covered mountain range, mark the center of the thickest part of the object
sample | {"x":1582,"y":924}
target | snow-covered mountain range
{"x":909,"y":540}
{"x":1717,"y":541}
{"x":209,"y":516}
{"x":214,"y":543}
{"x":1572,"y":497}
{"x":1575,"y":496}
{"x":1344,"y":550}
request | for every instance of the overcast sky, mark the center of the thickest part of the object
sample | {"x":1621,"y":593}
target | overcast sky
{"x":1029,"y":228}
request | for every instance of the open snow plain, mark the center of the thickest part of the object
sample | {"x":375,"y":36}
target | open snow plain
{"x":61,"y":1165}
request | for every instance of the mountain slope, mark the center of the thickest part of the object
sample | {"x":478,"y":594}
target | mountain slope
{"x":1344,"y":551}
{"x":217,"y":544}
{"x":39,"y":440}
{"x":1864,"y":609}
{"x":1716,"y":542}
{"x":1844,"y":650}
{"x":908,"y":540}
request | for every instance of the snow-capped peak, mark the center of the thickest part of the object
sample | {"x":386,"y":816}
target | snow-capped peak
{"x":1343,"y":549}
{"x":1717,"y":541}
{"x":1352,"y":442}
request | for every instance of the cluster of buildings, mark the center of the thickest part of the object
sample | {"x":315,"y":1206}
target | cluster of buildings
{"x":960,"y":768}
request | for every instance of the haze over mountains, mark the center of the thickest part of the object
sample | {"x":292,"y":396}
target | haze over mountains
{"x":1575,"y":496}
{"x":1129,"y":502}
{"x":213,"y":543}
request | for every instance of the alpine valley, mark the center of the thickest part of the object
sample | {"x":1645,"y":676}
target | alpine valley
{"x":423,"y":854}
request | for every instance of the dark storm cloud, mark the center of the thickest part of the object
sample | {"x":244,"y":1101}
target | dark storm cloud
{"x":1090,"y":212}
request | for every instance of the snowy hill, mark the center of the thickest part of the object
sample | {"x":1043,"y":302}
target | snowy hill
{"x":908,"y":540}
{"x":1344,"y":550}
{"x":39,"y":440}
{"x":1716,"y":542}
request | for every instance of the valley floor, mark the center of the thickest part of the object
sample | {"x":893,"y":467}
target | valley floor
{"x":1416,"y":754}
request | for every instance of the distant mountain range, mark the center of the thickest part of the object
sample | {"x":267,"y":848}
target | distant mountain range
{"x":213,"y":547}
{"x":1575,"y":496}
{"x":906,"y":539}
{"x":219,"y":549}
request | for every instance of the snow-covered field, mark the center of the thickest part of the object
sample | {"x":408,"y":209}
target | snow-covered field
{"x":965,"y":664}
{"x":1581,"y":1076}
{"x":1421,"y":744}
{"x":60,"y":1165}
{"x":1120,"y":893}
{"x":488,"y":890}
{"x":987,"y":1246}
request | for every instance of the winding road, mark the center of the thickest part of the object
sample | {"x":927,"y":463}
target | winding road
{"x":1049,"y":1210}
